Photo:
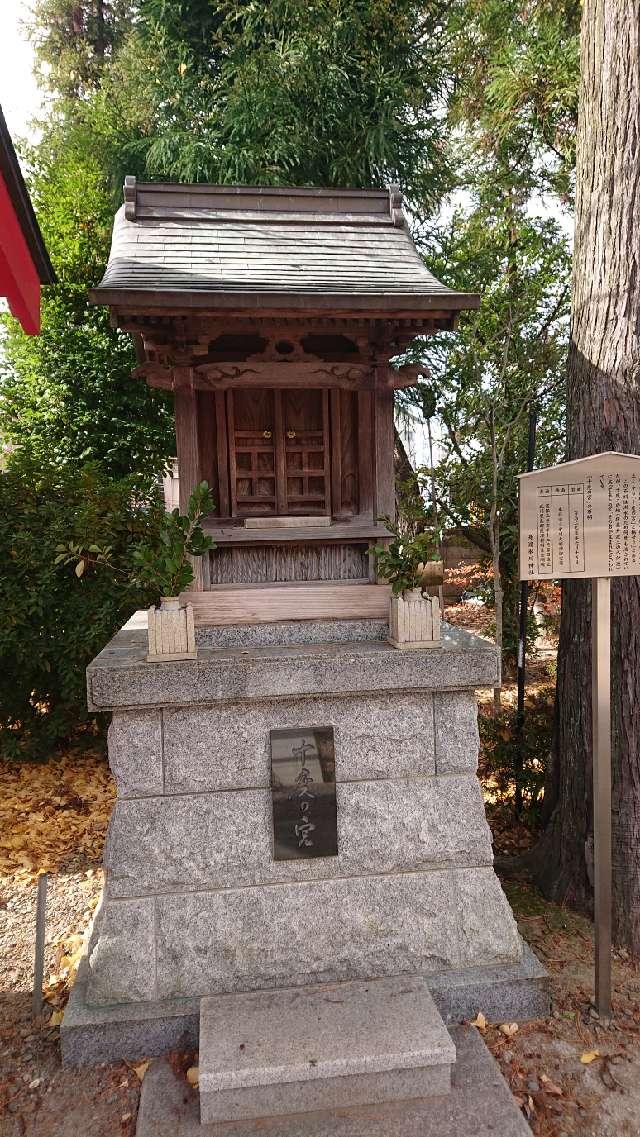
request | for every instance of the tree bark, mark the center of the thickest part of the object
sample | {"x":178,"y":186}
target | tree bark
{"x":603,"y":406}
{"x":403,"y":466}
{"x":494,"y":537}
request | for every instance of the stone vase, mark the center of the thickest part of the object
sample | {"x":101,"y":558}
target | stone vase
{"x":171,"y":631}
{"x":414,"y":620}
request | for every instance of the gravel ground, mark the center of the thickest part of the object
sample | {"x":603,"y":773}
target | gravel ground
{"x":38,"y":1098}
{"x":560,"y":1094}
{"x":52,"y":818}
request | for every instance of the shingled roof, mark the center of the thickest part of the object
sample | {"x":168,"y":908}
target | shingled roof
{"x":269,"y":249}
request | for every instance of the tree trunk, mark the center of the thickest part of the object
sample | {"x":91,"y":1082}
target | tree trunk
{"x":405,"y":476}
{"x":403,"y":466}
{"x":100,"y":45}
{"x":603,"y":404}
{"x":494,"y":537}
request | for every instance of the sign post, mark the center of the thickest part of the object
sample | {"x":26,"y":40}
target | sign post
{"x":601,"y":719}
{"x":581,"y":520}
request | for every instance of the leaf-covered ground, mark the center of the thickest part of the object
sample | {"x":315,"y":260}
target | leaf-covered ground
{"x":53,"y":818}
{"x":570,"y":1073}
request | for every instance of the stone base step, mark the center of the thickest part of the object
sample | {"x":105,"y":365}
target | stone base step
{"x":480,"y":1103}
{"x":269,"y":1053}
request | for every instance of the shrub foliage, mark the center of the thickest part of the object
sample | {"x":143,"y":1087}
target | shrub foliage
{"x":52,"y":622}
{"x":515,"y":763}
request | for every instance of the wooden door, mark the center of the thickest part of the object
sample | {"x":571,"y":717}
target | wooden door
{"x":279,"y":452}
{"x":305,"y":432}
{"x":251,"y":419}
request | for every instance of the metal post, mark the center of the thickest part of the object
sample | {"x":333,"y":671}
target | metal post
{"x":38,"y":970}
{"x":601,"y":710}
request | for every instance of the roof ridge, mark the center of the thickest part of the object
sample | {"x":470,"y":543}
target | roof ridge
{"x":200,"y":201}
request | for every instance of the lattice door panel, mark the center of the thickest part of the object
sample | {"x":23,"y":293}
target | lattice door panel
{"x":305,"y":420}
{"x":252,"y":452}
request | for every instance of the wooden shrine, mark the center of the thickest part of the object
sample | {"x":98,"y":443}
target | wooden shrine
{"x":274,"y":315}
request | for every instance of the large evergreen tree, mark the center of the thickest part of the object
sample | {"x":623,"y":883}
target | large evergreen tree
{"x":68,"y":393}
{"x":338,"y":92}
{"x":512,"y":86}
{"x":603,"y":413}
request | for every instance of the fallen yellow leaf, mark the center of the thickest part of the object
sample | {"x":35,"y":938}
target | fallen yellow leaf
{"x":56,"y":1018}
{"x":193,"y":1076}
{"x":141,"y":1068}
{"x":509,"y":1029}
{"x":550,"y":1086}
{"x":480,"y":1021}
{"x":589,"y":1056}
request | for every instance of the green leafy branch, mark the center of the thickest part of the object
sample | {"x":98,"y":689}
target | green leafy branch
{"x":162,"y":565}
{"x":402,"y":561}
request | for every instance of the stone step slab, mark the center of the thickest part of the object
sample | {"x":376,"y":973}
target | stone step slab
{"x":480,"y":1103}
{"x":268,"y":1053}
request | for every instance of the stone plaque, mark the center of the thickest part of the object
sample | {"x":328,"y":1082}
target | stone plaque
{"x":581,"y":519}
{"x":303,"y":792}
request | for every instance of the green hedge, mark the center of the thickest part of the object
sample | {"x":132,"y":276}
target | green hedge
{"x":52,"y":623}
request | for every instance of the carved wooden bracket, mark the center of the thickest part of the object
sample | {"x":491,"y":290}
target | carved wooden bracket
{"x":229,"y":376}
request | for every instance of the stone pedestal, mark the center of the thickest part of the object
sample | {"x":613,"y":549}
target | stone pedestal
{"x":194,"y":903}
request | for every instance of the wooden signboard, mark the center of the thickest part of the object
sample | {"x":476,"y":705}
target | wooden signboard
{"x":581,"y":520}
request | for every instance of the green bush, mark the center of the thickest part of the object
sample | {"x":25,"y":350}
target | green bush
{"x":515,"y":768}
{"x":52,"y":622}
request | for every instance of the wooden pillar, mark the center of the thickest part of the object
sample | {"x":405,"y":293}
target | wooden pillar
{"x":188,"y":451}
{"x":187,"y":444}
{"x":222,"y":456}
{"x":385,"y":492}
{"x":365,"y":454}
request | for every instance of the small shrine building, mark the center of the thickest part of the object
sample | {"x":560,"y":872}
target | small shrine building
{"x":274,"y":315}
{"x":297,"y":805}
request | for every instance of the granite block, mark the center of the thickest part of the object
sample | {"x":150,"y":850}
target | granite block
{"x":89,"y":1034}
{"x":135,"y":752}
{"x":480,"y":1103}
{"x":488,"y":931}
{"x":291,"y":632}
{"x":457,"y":741}
{"x":299,"y":1049}
{"x":515,"y":992}
{"x":327,"y":1093}
{"x":120,"y":678}
{"x":227,"y":747}
{"x":326,"y":931}
{"x":292,"y":934}
{"x":122,"y":953}
{"x":225,"y":840}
